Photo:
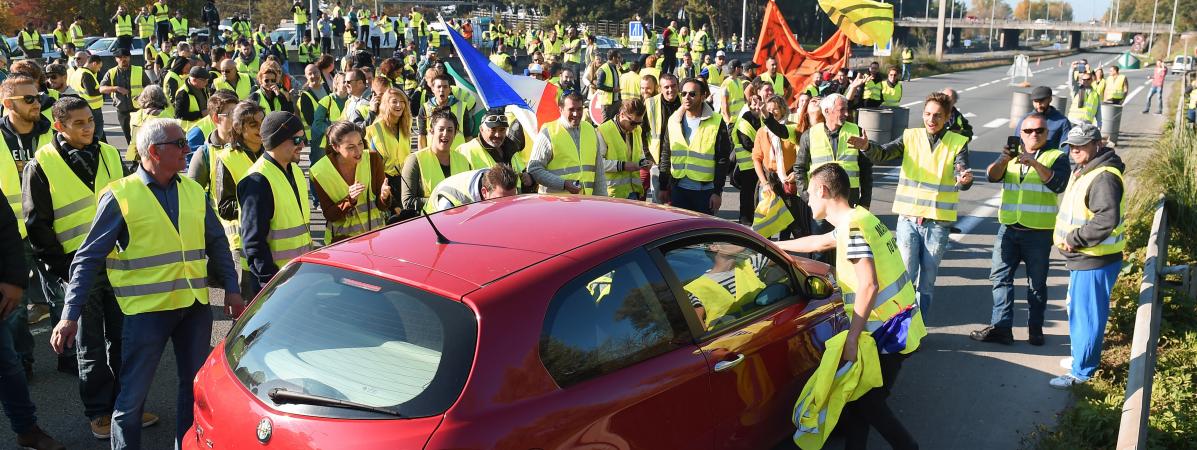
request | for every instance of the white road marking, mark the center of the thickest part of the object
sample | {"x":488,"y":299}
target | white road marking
{"x":911,"y":104}
{"x":969,"y":89}
{"x":967,"y":115}
{"x":996,"y":123}
{"x":1132,"y":95}
{"x":985,"y":212}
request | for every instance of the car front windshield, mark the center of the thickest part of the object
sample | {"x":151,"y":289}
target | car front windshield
{"x":352,"y":337}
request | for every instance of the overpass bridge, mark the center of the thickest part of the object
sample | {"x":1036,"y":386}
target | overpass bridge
{"x":1008,"y":36}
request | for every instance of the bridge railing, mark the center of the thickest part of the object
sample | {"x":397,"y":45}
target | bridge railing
{"x":1032,"y":24}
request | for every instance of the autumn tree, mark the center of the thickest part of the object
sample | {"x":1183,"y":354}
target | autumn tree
{"x":1057,"y":10}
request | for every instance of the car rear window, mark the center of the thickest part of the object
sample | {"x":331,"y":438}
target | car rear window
{"x":348,"y":336}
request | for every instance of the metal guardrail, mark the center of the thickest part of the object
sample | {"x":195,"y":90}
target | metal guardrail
{"x":1132,"y":431}
{"x":1100,"y":27}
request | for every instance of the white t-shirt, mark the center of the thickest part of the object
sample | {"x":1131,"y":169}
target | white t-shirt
{"x":691,"y":125}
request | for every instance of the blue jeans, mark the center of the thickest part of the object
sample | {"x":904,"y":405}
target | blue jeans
{"x":1032,"y":247}
{"x":905,"y":71}
{"x":1088,"y":310}
{"x":422,"y":44}
{"x":300,"y":31}
{"x":922,"y":248}
{"x":145,"y":335}
{"x":1155,"y":90}
{"x":694,"y":200}
{"x":14,"y":388}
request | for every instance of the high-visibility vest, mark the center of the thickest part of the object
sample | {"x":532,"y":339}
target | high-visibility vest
{"x":364,"y":216}
{"x":479,"y":158}
{"x":242,"y":89}
{"x":145,"y":27}
{"x":673,"y":37}
{"x":629,"y":85}
{"x":1192,"y":99}
{"x":192,"y":106}
{"x":268,"y":105}
{"x":622,"y":183}
{"x":502,"y":60}
{"x":161,"y":12}
{"x":304,"y":55}
{"x":573,"y":162}
{"x":93,"y":101}
{"x":162,"y":268}
{"x":1085,"y":109}
{"x":348,"y":38}
{"x":872,"y":89}
{"x":178,"y":26}
{"x":714,"y":74}
{"x":330,"y":104}
{"x":434,"y":39}
{"x":770,"y":216}
{"x":649,"y":45}
{"x":136,"y":119}
{"x":10,"y":178}
{"x":179,"y":83}
{"x":812,"y":90}
{"x":654,"y":119}
{"x":73,"y":203}
{"x":124,"y":25}
{"x":1075,"y":214}
{"x":778,"y":80}
{"x":431,"y":173}
{"x":299,"y":16}
{"x":891,"y":95}
{"x":61,"y":38}
{"x":237,"y":162}
{"x":459,"y":111}
{"x":205,"y":125}
{"x":457,"y":189}
{"x":1026,"y":200}
{"x":907,"y":56}
{"x":699,"y":42}
{"x":717,"y":301}
{"x":31,"y":41}
{"x":743,"y":153}
{"x":136,"y":74}
{"x":394,"y":149}
{"x":822,"y":153}
{"x":1115,"y":87}
{"x":77,"y":36}
{"x":611,"y":78}
{"x":576,"y":56}
{"x":735,"y":93}
{"x":694,"y":159}
{"x":927,"y":182}
{"x":894,"y":294}
{"x":249,"y":69}
{"x":289,"y":236}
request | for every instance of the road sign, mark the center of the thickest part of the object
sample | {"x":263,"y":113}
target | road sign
{"x":885,"y":50}
{"x":635,"y":31}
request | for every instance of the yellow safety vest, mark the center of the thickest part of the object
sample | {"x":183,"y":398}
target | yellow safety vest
{"x":927,"y":184}
{"x":162,"y":268}
{"x":300,"y":16}
{"x":872,"y":90}
{"x":10,"y":178}
{"x":1085,"y":108}
{"x":31,"y":41}
{"x":365,"y":216}
{"x":479,"y":158}
{"x":573,"y":162}
{"x":1115,"y":88}
{"x":179,"y":83}
{"x":145,"y":27}
{"x":743,"y":152}
{"x":237,"y":162}
{"x":1026,"y":200}
{"x":717,"y":301}
{"x":673,"y":37}
{"x":434,"y":39}
{"x":431,"y":174}
{"x":771,"y":214}
{"x":93,"y":101}
{"x":77,"y":36}
{"x":455,"y":189}
{"x":192,"y":106}
{"x":649,"y":45}
{"x":249,"y":69}
{"x":161,"y":12}
{"x":694,"y":159}
{"x":242,"y":89}
{"x":268,"y":105}
{"x":822,"y":153}
{"x":907,"y":56}
{"x":575,"y":56}
{"x":735,"y":93}
{"x":330,"y":104}
{"x":654,"y":120}
{"x":178,"y":27}
{"x":136,"y":119}
{"x":136,"y":74}
{"x":289,"y":235}
{"x":629,"y":85}
{"x":891,"y":95}
{"x":714,"y":74}
{"x":502,"y":60}
{"x":394,"y":149}
{"x":611,"y":76}
{"x":1074,"y":213}
{"x":779,"y":83}
{"x":124,"y":25}
{"x":622,"y":183}
{"x":74,"y":204}
{"x":895,"y":294}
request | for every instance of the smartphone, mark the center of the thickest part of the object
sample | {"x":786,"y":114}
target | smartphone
{"x":1013,"y":143}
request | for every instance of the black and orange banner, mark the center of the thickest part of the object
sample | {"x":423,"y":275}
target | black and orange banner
{"x":799,"y":66}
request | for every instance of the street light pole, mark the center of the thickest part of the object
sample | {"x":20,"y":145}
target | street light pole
{"x":743,"y":23}
{"x":1171,"y":30}
{"x":939,"y":31}
{"x":992,"y":12}
{"x":1151,"y":37}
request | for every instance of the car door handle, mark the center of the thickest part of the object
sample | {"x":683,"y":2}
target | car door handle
{"x":725,"y":365}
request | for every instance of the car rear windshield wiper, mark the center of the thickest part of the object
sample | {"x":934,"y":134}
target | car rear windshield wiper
{"x":282,"y":396}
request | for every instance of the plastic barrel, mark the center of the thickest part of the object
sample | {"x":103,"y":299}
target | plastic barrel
{"x":1111,"y":121}
{"x":901,"y":117}
{"x":876,"y":123}
{"x":1061,"y":104}
{"x":1019,"y":107}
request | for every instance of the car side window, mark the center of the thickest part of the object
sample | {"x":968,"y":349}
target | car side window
{"x":725,"y":279}
{"x":614,"y":316}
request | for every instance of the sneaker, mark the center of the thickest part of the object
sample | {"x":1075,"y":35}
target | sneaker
{"x":148,"y":420}
{"x":1035,"y":336}
{"x":38,"y":313}
{"x":1001,"y":335}
{"x":1066,"y":363}
{"x":37,"y":439}
{"x":1144,"y":111}
{"x":1065,"y":381}
{"x":101,"y":427}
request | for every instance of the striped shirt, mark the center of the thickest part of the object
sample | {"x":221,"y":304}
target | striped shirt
{"x":858,"y":247}
{"x":727,"y":279}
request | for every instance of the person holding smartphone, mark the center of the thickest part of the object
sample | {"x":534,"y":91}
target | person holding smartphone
{"x":1032,"y":176}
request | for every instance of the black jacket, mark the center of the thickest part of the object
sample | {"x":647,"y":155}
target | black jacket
{"x":12,"y":256}
{"x":1105,"y":200}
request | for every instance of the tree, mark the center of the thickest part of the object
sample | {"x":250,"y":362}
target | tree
{"x":1035,"y":10}
{"x":983,"y":9}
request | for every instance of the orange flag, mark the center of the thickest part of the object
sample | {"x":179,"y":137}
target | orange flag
{"x":799,"y":66}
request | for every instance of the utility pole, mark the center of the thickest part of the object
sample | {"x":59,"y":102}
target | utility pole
{"x":1151,"y":38}
{"x":743,"y":23}
{"x":992,"y":12}
{"x":927,"y":14}
{"x":939,"y":31}
{"x":1171,"y":31}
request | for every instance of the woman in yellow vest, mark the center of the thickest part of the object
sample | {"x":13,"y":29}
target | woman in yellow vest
{"x":153,"y":106}
{"x":230,"y":164}
{"x":351,"y":184}
{"x":270,"y":94}
{"x":745,"y":120}
{"x":623,"y":137}
{"x":390,"y":135}
{"x":878,"y":299}
{"x":426,"y":168}
{"x":780,"y":210}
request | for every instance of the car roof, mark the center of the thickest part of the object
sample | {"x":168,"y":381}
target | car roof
{"x":495,"y":238}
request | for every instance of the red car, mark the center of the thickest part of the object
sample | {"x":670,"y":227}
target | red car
{"x":526,"y":322}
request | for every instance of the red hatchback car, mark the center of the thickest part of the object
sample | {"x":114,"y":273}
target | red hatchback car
{"x":537,"y":322}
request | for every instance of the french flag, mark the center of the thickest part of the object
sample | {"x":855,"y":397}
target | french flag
{"x":532,"y":101}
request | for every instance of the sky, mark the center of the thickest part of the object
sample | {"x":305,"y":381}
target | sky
{"x":1082,"y":10}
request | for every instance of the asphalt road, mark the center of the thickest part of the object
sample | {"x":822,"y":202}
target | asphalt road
{"x":954,"y":393}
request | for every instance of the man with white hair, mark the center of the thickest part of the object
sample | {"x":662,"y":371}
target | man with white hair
{"x":827,"y":143}
{"x":154,"y":234}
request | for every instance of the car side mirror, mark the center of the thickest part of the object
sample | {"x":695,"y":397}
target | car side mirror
{"x":818,"y":288}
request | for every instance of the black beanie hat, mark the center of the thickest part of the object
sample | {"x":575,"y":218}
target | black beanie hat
{"x":279,"y":126}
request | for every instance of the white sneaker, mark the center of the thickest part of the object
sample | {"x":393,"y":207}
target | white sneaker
{"x":1066,"y":363}
{"x":1064,"y":381}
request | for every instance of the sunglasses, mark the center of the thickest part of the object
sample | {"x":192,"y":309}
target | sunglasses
{"x":178,"y":143}
{"x":28,"y":99}
{"x":689,"y":93}
{"x":1034,"y":130}
{"x":299,"y":140}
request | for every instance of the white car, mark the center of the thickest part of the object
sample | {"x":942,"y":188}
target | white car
{"x":1183,"y":64}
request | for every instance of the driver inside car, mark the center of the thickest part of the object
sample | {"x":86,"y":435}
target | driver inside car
{"x":729,"y":285}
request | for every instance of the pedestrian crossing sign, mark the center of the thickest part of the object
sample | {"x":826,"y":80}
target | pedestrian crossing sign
{"x":884,"y":50}
{"x":635,"y":31}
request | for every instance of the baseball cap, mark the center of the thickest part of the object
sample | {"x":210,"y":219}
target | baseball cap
{"x":535,"y":68}
{"x":1082,"y":134}
{"x":720,"y":53}
{"x":1041,"y":93}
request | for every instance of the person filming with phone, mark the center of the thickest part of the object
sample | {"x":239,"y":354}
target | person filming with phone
{"x":1032,"y":174}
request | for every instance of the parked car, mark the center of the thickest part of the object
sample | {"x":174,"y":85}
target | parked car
{"x":530,"y":322}
{"x":104,"y":48}
{"x":1183,"y":64}
{"x":49,"y":50}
